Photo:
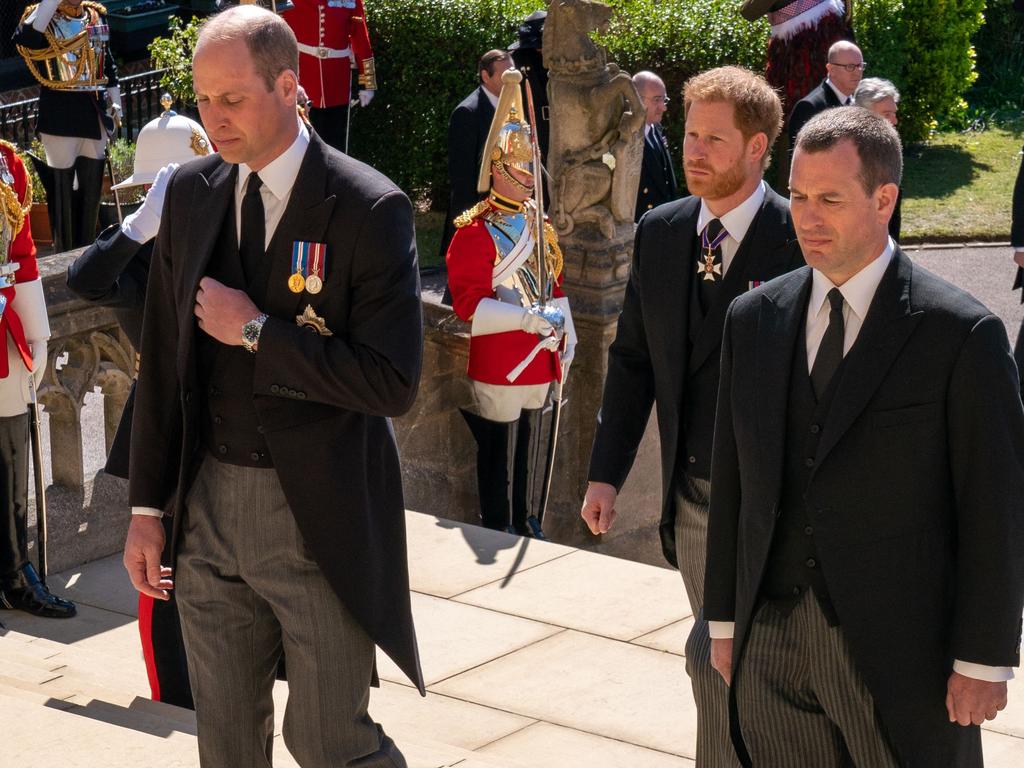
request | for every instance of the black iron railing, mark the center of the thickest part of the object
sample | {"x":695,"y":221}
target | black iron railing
{"x":140,"y":98}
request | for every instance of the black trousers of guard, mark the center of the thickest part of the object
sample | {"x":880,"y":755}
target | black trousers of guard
{"x":331,"y":124}
{"x":14,"y":449}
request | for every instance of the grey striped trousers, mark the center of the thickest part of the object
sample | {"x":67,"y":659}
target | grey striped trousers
{"x":801,"y":701}
{"x":247,"y":589}
{"x":714,"y":748}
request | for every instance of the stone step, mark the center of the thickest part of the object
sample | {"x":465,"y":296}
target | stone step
{"x":45,"y":685}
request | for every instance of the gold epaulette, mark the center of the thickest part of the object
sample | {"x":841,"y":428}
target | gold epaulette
{"x":555,"y":259}
{"x":465,"y":218}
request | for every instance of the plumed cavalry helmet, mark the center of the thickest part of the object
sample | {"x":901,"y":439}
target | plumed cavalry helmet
{"x":171,"y":138}
{"x":510,"y":140}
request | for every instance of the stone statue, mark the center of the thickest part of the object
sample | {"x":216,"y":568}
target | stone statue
{"x":597,"y":123}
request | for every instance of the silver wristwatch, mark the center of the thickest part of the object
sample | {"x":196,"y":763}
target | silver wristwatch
{"x":251,"y":332}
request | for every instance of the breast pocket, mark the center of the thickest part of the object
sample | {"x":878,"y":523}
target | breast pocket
{"x":911,"y":414}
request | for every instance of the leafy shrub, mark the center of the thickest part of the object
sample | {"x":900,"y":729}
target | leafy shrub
{"x":174,"y":53}
{"x":1000,"y":62}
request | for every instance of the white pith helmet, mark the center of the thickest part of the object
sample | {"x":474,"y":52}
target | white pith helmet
{"x":170,"y":138}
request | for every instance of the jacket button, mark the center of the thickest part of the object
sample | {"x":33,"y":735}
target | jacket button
{"x":217,"y":420}
{"x":255,"y":455}
{"x":645,"y":190}
{"x":649,"y":206}
{"x":222,"y":449}
{"x":292,"y":392}
{"x":808,"y":462}
{"x":302,"y":395}
{"x":274,"y":389}
{"x":811,"y":562}
{"x":259,"y":429}
{"x":808,"y":530}
{"x":693,"y":459}
{"x":815,"y":429}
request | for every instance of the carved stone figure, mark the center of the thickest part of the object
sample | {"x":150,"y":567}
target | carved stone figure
{"x":597,"y":122}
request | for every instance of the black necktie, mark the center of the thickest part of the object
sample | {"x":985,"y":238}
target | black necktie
{"x":252,"y":245}
{"x":830,"y":353}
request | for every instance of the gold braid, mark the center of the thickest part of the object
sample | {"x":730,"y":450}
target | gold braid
{"x":555,"y":259}
{"x":13,"y":210}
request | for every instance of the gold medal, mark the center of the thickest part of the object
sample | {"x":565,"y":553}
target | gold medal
{"x":314,"y":284}
{"x":296,"y":283}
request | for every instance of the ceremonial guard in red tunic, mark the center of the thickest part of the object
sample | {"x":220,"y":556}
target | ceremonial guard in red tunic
{"x":65,"y":44}
{"x":25,"y":329}
{"x":516,"y":349}
{"x":333,"y":38}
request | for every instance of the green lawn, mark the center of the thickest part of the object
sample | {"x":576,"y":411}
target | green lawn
{"x":958,"y":186}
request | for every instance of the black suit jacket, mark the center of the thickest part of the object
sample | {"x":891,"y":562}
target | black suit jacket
{"x":649,"y":360}
{"x":113,"y":271}
{"x":914,"y":496}
{"x":818,"y":100}
{"x":322,"y":401}
{"x":657,"y":176}
{"x":468,"y":127}
{"x":1017,"y":222}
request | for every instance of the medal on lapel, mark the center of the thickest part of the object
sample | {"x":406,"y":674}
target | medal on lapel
{"x":316,"y":263}
{"x":707,"y":266}
{"x":310,"y":320}
{"x":297,"y":282}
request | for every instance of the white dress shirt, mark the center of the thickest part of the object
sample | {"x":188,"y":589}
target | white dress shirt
{"x":491,"y":98}
{"x":736,"y":222}
{"x":278,"y":178}
{"x":843,"y":98}
{"x":858,"y":293}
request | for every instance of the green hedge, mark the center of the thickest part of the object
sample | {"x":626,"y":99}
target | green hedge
{"x":1000,"y":63}
{"x":924,"y":47}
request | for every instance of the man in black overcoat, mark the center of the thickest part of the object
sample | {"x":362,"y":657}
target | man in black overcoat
{"x":845,"y":68}
{"x":1017,"y":243}
{"x":866,"y":538}
{"x":282,"y":329}
{"x":467,"y":134}
{"x":657,"y":176}
{"x":690,"y":259}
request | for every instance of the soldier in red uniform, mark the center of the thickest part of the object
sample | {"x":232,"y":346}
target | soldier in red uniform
{"x":515,"y":351}
{"x":332,"y":36}
{"x":24,"y":327}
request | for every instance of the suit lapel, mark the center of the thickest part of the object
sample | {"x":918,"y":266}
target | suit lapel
{"x":779,"y":322}
{"x":677,"y":272}
{"x":888,"y":325}
{"x":213,"y":195}
{"x":306,"y":218}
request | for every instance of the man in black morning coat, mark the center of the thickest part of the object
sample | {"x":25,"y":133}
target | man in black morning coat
{"x":282,"y":329}
{"x":666,"y":347}
{"x":866,"y":538}
{"x":467,"y":134}
{"x":845,"y":69}
{"x":1017,"y":243}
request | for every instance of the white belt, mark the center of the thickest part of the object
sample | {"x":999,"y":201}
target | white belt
{"x":325,"y":53}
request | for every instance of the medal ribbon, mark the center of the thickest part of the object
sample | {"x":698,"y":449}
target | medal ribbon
{"x":711,"y":245}
{"x":300,"y":257}
{"x":316,"y":258}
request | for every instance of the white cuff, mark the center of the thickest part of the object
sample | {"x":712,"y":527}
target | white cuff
{"x":30,"y":305}
{"x":570,"y":328}
{"x":721,"y":630}
{"x":147,"y":512}
{"x":40,"y":18}
{"x":493,"y":316}
{"x":983,"y":672}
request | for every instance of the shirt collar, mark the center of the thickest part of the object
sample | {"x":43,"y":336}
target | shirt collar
{"x":839,"y":94}
{"x":279,"y":174}
{"x":490,"y":97}
{"x":858,"y":291}
{"x":737,"y":221}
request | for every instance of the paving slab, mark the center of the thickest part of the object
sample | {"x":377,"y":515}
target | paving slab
{"x":544,"y":745}
{"x":621,"y":691}
{"x":102,"y":584}
{"x":88,"y":627}
{"x":454,"y":637}
{"x":671,"y":638}
{"x":592,"y":593}
{"x":1002,"y":751}
{"x":447,"y":558}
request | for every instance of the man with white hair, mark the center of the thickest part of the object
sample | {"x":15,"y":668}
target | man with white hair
{"x":882,"y":97}
{"x":845,"y":68}
{"x":657,"y":177}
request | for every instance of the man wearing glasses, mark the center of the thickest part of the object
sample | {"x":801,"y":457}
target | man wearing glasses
{"x":657,"y":177}
{"x":845,"y":69}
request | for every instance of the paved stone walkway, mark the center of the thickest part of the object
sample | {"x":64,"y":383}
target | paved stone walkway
{"x":536,"y":655}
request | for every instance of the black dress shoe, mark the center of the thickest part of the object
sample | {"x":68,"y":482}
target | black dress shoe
{"x":24,"y":591}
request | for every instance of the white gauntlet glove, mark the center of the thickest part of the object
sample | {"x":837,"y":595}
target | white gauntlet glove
{"x":365,"y":97}
{"x":42,"y":15}
{"x":143,"y":225}
{"x":534,"y":323}
{"x":38,"y":361}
